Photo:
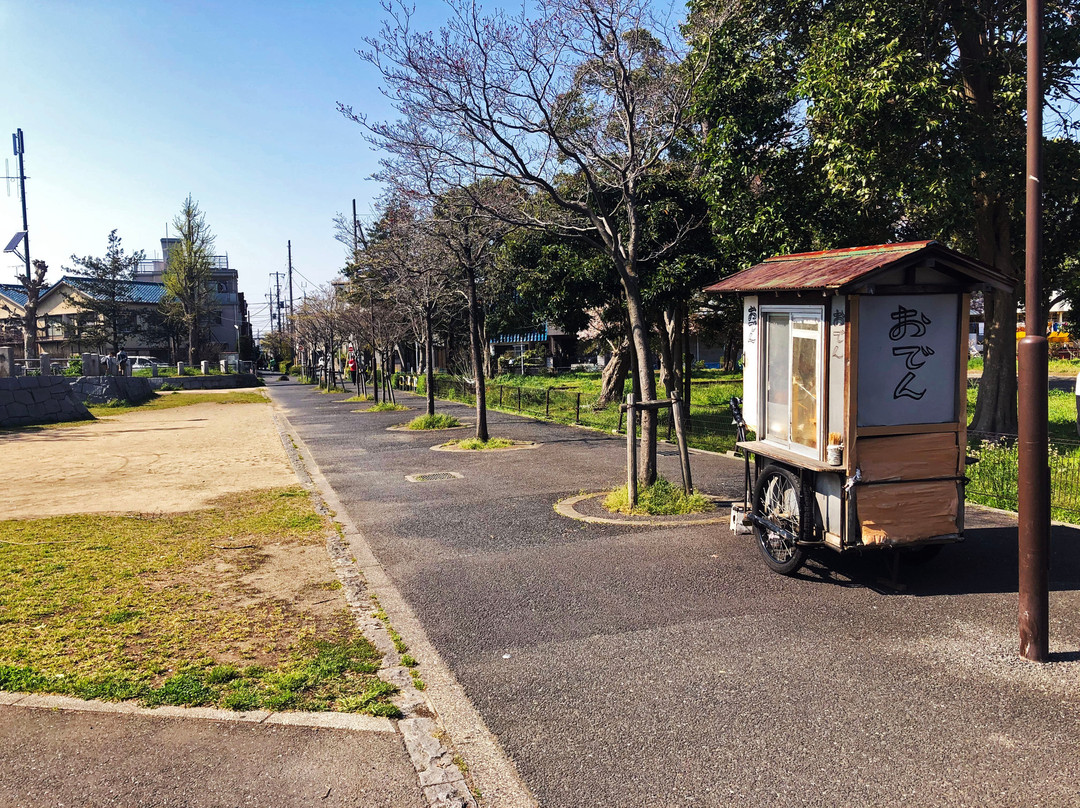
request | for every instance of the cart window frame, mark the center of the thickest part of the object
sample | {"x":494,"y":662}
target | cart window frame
{"x":790,"y":440}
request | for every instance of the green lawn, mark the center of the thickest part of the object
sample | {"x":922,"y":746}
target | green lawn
{"x":163,"y":609}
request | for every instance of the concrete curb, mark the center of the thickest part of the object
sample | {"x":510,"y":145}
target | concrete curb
{"x":517,"y":447}
{"x":443,"y":711}
{"x":347,"y":721}
{"x":565,"y":507}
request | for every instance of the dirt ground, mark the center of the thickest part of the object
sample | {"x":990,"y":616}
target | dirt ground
{"x":162,"y":461}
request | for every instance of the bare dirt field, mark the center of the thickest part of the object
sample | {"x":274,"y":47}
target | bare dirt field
{"x":157,"y":461}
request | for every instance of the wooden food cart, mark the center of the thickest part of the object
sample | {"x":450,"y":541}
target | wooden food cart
{"x":855,"y":386}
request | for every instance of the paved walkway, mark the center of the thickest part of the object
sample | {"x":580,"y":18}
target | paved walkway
{"x":69,"y":757}
{"x":666,"y":666}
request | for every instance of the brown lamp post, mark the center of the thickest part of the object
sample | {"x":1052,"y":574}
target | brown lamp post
{"x":1034,"y":473}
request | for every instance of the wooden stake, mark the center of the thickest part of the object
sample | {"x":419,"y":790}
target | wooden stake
{"x":680,"y":436}
{"x":631,"y":451}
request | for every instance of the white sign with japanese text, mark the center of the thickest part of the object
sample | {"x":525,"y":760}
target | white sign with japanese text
{"x":907,"y":359}
{"x":751,"y":361}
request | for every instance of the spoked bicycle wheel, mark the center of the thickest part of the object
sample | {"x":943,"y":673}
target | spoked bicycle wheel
{"x":776,"y":499}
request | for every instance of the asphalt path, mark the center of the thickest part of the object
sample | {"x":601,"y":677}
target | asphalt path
{"x":644,"y":666}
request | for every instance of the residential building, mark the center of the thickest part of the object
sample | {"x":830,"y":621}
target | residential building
{"x":63,"y":324}
{"x":229,"y":323}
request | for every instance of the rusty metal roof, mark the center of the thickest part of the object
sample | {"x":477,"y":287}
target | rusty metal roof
{"x":841,"y":269}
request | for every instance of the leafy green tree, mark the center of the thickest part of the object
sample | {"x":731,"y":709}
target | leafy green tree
{"x":108,"y":285}
{"x":908,"y":115}
{"x":188,"y":270}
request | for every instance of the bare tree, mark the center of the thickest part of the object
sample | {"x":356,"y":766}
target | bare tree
{"x":579,"y":103}
{"x":319,"y":325}
{"x":32,"y":286}
{"x":419,"y":274}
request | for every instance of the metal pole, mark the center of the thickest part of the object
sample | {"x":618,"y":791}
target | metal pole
{"x":1033,"y":533}
{"x":18,"y":147}
{"x":291,"y":336}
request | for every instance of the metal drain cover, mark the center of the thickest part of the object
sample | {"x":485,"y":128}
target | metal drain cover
{"x":432,"y":476}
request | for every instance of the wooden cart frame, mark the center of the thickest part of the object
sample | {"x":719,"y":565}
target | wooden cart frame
{"x":855,"y":385}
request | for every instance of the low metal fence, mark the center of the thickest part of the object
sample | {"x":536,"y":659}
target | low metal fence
{"x":710,"y":429}
{"x":992,"y":474}
{"x":992,"y":470}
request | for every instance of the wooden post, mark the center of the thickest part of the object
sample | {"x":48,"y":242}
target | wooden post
{"x":680,"y":435}
{"x":631,"y":451}
{"x":500,"y":395}
{"x":519,"y":399}
{"x":547,"y":402}
{"x":577,"y":416}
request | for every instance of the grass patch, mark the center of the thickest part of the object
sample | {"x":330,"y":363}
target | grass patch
{"x":659,"y":499}
{"x":352,"y":399}
{"x":386,"y":406}
{"x":168,"y":402}
{"x":475,"y":444}
{"x":163,"y":609}
{"x":436,"y":421}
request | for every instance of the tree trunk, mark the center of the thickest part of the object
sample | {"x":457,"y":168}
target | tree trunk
{"x":429,"y":361}
{"x":613,"y":380}
{"x":477,"y":358}
{"x":688,"y":361}
{"x":193,"y":338}
{"x":639,"y":329}
{"x":671,"y":348}
{"x":30,"y":342}
{"x":995,"y":407}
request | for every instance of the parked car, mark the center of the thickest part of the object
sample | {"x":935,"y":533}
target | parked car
{"x":143,"y":362}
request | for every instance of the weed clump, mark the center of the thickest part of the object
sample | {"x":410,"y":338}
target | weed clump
{"x":436,"y":421}
{"x":659,"y":499}
{"x":475,"y":444}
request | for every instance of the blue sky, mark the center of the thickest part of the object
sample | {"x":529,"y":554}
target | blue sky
{"x":127,"y":107}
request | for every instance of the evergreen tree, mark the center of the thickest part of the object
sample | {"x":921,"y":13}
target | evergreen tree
{"x":108,"y":286}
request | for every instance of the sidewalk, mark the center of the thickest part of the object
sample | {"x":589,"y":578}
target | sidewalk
{"x":661,"y":666}
{"x":70,"y":757}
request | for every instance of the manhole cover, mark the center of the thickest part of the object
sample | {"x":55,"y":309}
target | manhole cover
{"x":433,"y":476}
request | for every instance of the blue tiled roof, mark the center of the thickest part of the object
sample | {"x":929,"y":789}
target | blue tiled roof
{"x":135,"y":291}
{"x":14,"y":291}
{"x":540,"y":335}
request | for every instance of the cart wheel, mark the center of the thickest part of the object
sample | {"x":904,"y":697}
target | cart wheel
{"x":776,"y":498}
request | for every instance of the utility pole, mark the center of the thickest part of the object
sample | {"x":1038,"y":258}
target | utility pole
{"x":280,"y":306}
{"x":291,"y":329}
{"x":18,"y":148}
{"x":270,"y":298}
{"x":355,"y":230}
{"x":1033,"y":533}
